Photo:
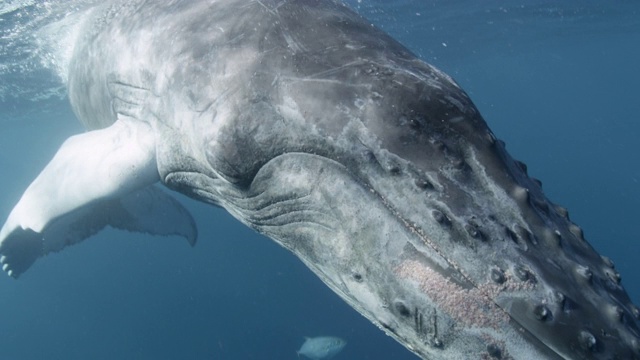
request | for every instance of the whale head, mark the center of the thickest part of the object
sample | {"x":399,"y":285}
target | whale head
{"x":380,"y":174}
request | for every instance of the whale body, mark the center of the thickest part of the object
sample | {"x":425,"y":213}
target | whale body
{"x":315,"y":128}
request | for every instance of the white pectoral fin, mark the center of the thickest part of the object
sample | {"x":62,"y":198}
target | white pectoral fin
{"x":20,"y":249}
{"x":149,"y":210}
{"x":153,"y":211}
{"x":83,"y":189}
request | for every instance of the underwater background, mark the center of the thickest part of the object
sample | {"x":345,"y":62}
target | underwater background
{"x":557,"y":81}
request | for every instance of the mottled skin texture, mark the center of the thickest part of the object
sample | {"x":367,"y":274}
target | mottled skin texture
{"x":323,"y":133}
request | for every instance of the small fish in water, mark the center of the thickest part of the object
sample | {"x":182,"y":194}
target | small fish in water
{"x":321,"y":347}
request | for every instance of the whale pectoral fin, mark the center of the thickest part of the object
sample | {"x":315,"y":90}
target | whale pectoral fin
{"x":88,"y":169}
{"x":149,"y":210}
{"x":155,"y":212}
{"x":20,"y":249}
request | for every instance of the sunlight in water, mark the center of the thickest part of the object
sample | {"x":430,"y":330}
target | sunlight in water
{"x":8,"y":6}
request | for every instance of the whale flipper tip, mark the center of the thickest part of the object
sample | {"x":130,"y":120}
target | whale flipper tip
{"x":20,"y":249}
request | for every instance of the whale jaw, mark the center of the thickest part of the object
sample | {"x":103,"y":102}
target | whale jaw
{"x":442,"y":280}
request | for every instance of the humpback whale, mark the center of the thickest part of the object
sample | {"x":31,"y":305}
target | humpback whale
{"x":317,"y":129}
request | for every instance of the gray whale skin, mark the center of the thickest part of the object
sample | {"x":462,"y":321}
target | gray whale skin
{"x":323,"y":133}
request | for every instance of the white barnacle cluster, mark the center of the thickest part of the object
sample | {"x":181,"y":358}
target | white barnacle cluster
{"x":469,"y":307}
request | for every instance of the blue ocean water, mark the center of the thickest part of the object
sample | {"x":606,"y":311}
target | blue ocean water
{"x":556,"y":81}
